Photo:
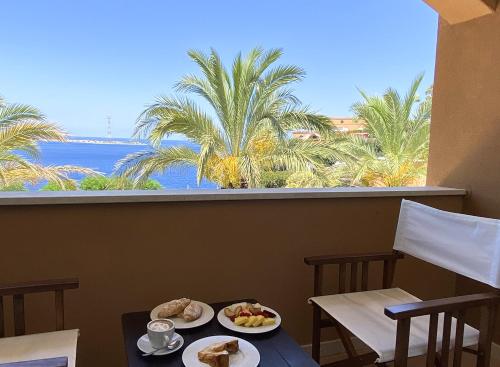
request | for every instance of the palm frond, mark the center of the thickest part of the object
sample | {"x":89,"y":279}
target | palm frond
{"x":24,"y":135}
{"x":17,"y":171}
{"x":13,"y":113}
{"x":141,"y":165}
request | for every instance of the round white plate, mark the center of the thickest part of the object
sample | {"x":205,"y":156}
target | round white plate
{"x":207,"y":315}
{"x":227,"y":323}
{"x":247,"y":355}
{"x":145,"y":346}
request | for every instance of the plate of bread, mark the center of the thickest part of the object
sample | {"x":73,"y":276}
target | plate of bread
{"x":221,"y":351}
{"x":184,"y":312}
{"x":249,"y":318}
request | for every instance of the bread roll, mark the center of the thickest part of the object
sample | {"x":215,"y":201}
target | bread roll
{"x":173,"y":308}
{"x":192,"y":312}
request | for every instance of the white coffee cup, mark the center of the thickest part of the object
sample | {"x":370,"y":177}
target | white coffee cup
{"x":160,"y":332}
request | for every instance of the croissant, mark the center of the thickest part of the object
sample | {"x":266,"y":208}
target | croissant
{"x":192,"y":312}
{"x":173,"y":307}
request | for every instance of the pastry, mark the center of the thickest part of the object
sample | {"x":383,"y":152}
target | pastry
{"x":192,"y":312}
{"x":214,"y":359}
{"x":217,"y":355}
{"x":173,"y":308}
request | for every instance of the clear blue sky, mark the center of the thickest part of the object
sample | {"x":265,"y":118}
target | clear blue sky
{"x":79,"y":61}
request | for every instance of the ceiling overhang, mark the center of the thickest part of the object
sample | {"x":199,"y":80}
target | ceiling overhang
{"x":458,"y":11}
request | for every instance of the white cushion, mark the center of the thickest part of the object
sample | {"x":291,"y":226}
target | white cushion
{"x":40,"y":346}
{"x":362,"y":313}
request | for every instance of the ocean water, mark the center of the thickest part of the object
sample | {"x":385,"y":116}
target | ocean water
{"x":102,"y":158}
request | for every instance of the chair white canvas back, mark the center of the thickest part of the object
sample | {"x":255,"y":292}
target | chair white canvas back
{"x":464,"y":244}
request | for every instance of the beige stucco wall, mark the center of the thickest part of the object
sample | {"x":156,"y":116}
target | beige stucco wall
{"x":465,"y":130}
{"x":131,"y":257}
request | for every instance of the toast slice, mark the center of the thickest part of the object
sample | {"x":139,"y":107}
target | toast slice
{"x":217,"y":355}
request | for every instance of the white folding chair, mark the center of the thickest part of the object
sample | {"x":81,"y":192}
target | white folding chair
{"x":397,"y":325}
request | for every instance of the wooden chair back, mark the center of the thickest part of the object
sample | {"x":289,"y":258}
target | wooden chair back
{"x":19,"y":290}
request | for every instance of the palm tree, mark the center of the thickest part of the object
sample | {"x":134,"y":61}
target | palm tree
{"x":247,"y":131}
{"x":396,"y":150}
{"x":21,"y":127}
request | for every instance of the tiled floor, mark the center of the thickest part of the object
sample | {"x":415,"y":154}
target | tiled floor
{"x":467,"y":361}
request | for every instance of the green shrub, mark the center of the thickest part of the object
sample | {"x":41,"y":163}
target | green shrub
{"x":13,"y":187}
{"x":119,"y":183}
{"x":274,"y":179}
{"x":96,"y":183}
{"x":151,"y":185}
{"x":55,"y":186}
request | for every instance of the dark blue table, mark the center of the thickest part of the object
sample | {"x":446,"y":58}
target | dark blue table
{"x":276,"y":348}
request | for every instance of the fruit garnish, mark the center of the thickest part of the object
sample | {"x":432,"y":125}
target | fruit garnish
{"x":255,"y":309}
{"x":258,"y":320}
{"x":237,"y":310}
{"x":241,"y":320}
{"x":268,"y":321}
{"x":248,"y":315}
{"x":229,"y":312}
{"x":250,"y":321}
{"x":268,"y":314}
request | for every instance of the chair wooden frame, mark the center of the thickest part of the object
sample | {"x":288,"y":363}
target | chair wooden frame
{"x":18,"y":291}
{"x":451,"y":307}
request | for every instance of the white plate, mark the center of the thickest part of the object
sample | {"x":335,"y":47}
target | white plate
{"x":247,"y":355}
{"x":227,"y":323}
{"x":207,"y":315}
{"x":145,"y":346}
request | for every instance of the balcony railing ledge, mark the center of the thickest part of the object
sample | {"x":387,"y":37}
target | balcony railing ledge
{"x":142,"y":196}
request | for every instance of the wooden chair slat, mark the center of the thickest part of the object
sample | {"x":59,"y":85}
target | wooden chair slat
{"x":364,"y":276}
{"x":346,"y":340}
{"x":486,"y":330}
{"x":431,"y":345}
{"x":445,"y":346}
{"x":318,"y":280}
{"x":59,"y":304}
{"x":402,"y":342}
{"x":459,"y":339}
{"x":2,"y":325}
{"x":19,"y":322}
{"x":388,"y":277}
{"x":385,"y":279}
{"x":316,"y":334}
{"x":342,"y":276}
{"x":354,"y":277}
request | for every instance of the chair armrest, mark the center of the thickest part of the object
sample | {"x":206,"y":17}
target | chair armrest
{"x":451,"y":304}
{"x":38,"y":286}
{"x":353,"y":258}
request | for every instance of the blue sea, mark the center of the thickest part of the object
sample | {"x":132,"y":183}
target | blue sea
{"x":102,"y":157}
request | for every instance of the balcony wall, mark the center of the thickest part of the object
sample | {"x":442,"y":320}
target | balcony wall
{"x":133,"y":256}
{"x":465,"y":130}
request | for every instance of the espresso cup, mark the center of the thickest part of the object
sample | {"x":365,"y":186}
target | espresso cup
{"x":160,"y":332}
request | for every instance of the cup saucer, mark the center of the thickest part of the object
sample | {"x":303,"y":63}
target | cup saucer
{"x":145,"y":346}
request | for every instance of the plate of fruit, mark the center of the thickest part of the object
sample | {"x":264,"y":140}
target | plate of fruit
{"x":249,"y":318}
